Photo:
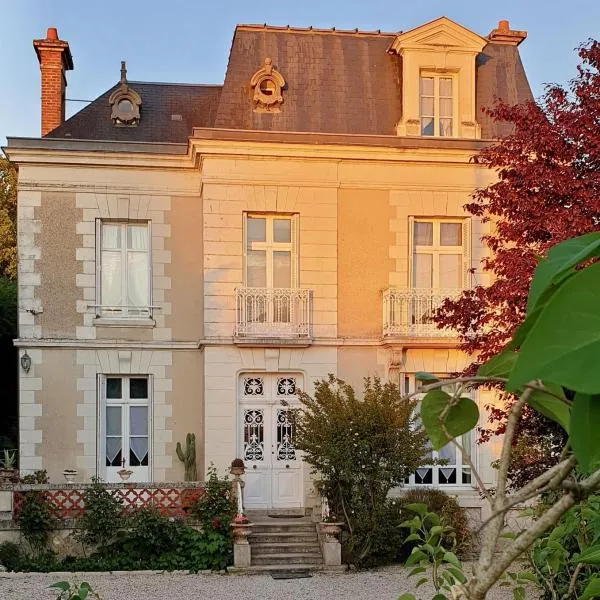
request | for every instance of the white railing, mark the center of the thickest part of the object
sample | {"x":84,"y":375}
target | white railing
{"x":273,"y":312}
{"x":409,"y":312}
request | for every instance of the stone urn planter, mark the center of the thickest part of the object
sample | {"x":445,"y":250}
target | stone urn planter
{"x":241,"y":531}
{"x":8,"y":475}
{"x":70,"y":475}
{"x":125,"y":474}
{"x":331,"y":530}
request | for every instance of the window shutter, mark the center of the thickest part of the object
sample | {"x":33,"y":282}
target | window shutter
{"x":411,"y":259}
{"x":151,"y":426}
{"x":150,"y":282}
{"x":98,"y":248}
{"x":100,"y":441}
{"x":295,"y":251}
{"x":466,"y":230}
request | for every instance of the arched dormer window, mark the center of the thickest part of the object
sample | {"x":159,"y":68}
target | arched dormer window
{"x":125,"y":103}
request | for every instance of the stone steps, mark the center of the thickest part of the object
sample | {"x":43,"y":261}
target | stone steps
{"x":270,"y":548}
{"x":290,"y":544}
{"x":283,"y":537}
{"x":287,"y":559}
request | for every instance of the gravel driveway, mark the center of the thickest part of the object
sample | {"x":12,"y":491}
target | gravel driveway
{"x":383,"y":584}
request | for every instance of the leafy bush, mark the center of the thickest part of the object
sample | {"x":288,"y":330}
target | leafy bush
{"x":74,"y":591}
{"x":435,"y":542}
{"x":11,"y":556}
{"x":216,"y":508}
{"x":563,"y":560}
{"x":98,"y":524}
{"x":360,"y":449}
{"x":36,"y":521}
{"x":448,"y":509}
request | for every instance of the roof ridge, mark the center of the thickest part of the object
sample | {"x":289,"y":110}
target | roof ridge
{"x":311,"y":29}
{"x":174,"y":83}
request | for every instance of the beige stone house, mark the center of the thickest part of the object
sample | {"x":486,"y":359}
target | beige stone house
{"x":191,"y":255}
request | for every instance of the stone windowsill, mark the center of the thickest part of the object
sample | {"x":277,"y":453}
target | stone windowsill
{"x":123,"y":322}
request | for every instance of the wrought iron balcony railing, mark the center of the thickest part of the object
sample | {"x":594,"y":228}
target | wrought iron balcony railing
{"x":273,"y":313}
{"x":409,"y":312}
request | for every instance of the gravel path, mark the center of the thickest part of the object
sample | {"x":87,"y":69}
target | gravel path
{"x":383,"y":584}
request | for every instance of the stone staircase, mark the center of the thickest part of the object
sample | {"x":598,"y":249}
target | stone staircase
{"x":289,"y":544}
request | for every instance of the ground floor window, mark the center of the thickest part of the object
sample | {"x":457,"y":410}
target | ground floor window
{"x":125,"y":417}
{"x":455,"y":470}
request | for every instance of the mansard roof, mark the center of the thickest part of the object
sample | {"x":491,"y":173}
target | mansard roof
{"x":344,"y":82}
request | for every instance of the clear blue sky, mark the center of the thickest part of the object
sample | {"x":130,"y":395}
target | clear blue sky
{"x":188,"y":40}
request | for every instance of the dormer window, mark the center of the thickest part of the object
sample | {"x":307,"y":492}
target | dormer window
{"x":437,"y":105}
{"x":438,"y":80}
{"x":125,"y":103}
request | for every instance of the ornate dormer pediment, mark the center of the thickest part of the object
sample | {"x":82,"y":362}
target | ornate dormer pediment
{"x":443,"y":33}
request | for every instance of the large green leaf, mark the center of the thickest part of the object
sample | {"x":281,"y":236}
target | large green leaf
{"x":462,"y":417}
{"x":498,"y":366}
{"x":590,"y":556}
{"x":550,"y":406}
{"x":585,"y":416}
{"x":563,"y":345}
{"x":561,"y":258}
{"x":592,"y":589}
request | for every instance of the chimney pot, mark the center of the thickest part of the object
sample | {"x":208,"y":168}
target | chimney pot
{"x":503,"y":25}
{"x":52,"y":33}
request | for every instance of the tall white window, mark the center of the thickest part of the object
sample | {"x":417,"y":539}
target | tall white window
{"x":455,"y":470}
{"x":440,"y":254}
{"x":124,"y":277}
{"x":271,"y":254}
{"x":437,"y":105}
{"x":125,"y":426}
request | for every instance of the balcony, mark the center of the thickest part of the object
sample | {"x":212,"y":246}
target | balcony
{"x":408,"y":313}
{"x":273,"y":313}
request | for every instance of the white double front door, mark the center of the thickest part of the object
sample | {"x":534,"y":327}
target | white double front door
{"x":266,"y":433}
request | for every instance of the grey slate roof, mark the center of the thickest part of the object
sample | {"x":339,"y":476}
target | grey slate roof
{"x":195,"y":103}
{"x":336,"y":82}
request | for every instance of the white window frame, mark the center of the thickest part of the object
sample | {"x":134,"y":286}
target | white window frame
{"x":101,"y":404}
{"x":436,"y":250}
{"x":270,"y":246}
{"x":436,"y":76}
{"x":409,"y":384}
{"x":123,"y":311}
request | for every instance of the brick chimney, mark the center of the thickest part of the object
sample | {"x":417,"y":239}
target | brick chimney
{"x":503,"y":34}
{"x":55,"y":59}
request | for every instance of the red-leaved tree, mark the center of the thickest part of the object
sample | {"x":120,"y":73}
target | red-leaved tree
{"x":547,"y":190}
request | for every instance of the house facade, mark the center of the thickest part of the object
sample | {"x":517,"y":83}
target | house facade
{"x":190,"y":256}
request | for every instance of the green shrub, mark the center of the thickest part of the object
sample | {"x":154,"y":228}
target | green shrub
{"x":448,"y":509}
{"x":216,"y":508}
{"x":100,"y":519}
{"x":36,"y":521}
{"x":11,"y":556}
{"x":554,"y":556}
{"x":360,"y":449}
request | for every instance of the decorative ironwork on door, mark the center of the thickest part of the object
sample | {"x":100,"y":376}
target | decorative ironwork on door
{"x":286,"y":386}
{"x":254,"y":435}
{"x":253,"y":386}
{"x":285,"y":435}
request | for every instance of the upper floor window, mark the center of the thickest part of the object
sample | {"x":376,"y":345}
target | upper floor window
{"x":440,"y":254}
{"x":123,"y":265}
{"x":437,"y":105}
{"x":270,"y":251}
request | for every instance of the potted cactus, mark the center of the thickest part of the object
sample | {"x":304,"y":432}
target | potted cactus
{"x":8,"y":464}
{"x":188,"y":458}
